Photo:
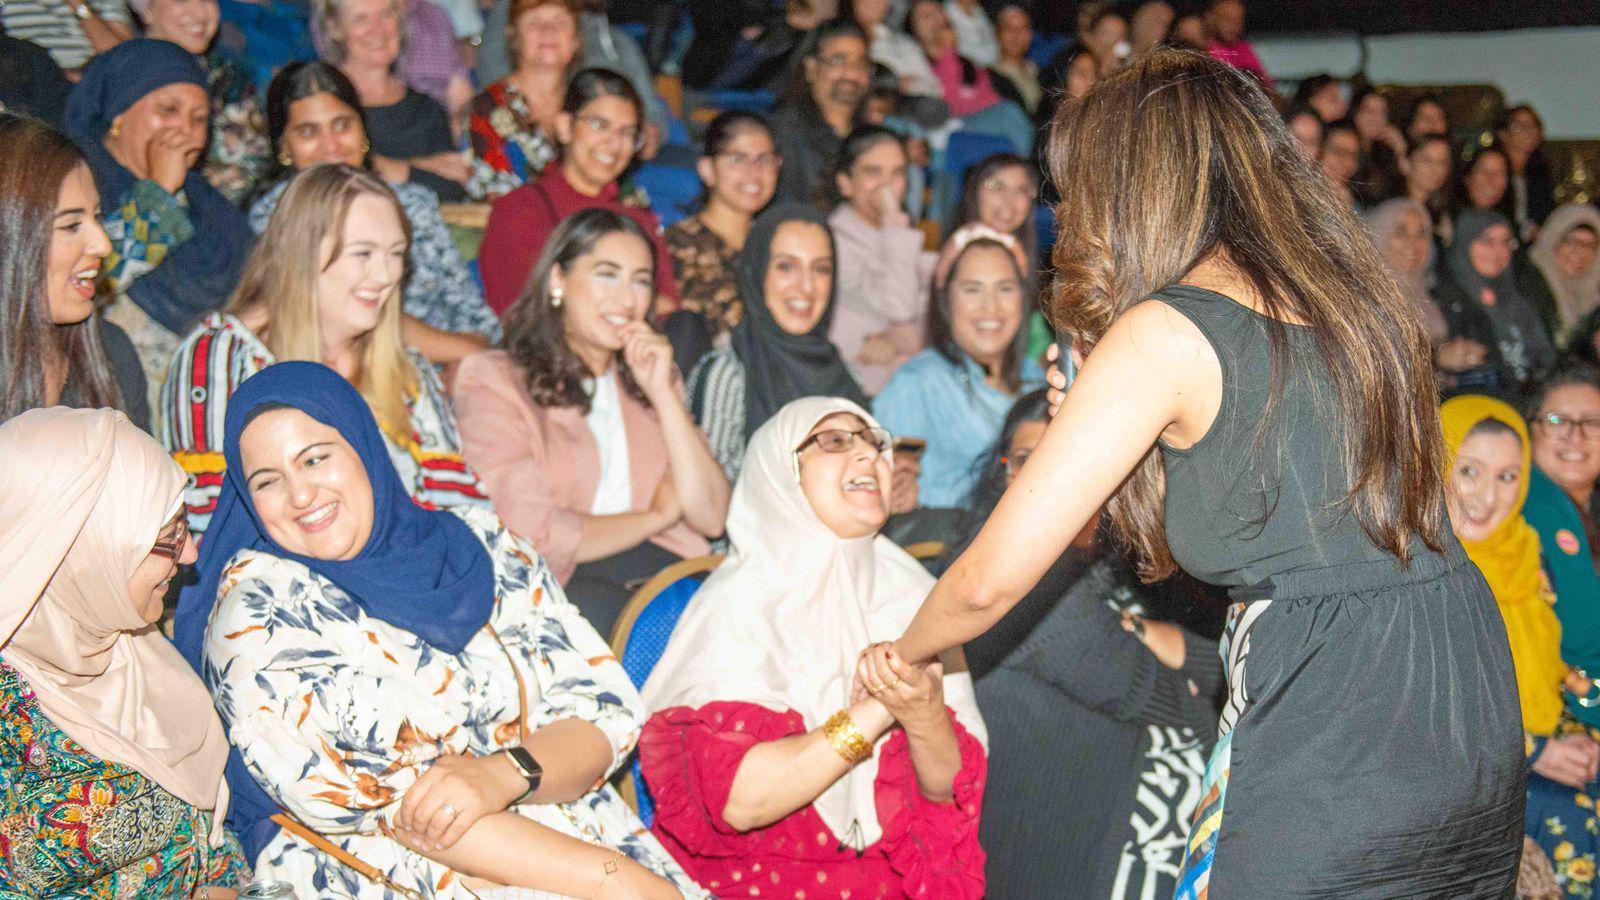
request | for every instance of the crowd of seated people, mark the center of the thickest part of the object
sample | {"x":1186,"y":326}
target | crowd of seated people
{"x":395,"y":337}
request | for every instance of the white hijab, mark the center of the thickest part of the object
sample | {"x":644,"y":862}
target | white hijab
{"x":781,"y":622}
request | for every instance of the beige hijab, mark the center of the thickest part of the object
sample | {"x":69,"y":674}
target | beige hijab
{"x":83,"y":494}
{"x":780,"y":623}
{"x":1575,"y":297}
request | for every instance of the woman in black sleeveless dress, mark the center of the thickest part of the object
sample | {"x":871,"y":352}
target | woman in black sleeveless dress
{"x":1259,"y":408}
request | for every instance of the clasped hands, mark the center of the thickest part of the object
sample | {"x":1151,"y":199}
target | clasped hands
{"x":912,"y":693}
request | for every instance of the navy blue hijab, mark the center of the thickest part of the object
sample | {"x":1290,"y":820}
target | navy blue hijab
{"x":421,"y":570}
{"x":200,"y":273}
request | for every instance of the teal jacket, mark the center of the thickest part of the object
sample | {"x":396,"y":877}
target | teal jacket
{"x":1566,"y":551}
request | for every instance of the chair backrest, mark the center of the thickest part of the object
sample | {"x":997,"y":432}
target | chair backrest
{"x":672,"y":190}
{"x":967,"y":148}
{"x":639,"y":639}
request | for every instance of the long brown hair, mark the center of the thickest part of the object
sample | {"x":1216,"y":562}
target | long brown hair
{"x":1178,"y":157}
{"x":281,"y":280}
{"x":535,"y":335}
{"x":35,"y":160}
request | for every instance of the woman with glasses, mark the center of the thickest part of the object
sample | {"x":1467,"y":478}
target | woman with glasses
{"x":598,"y":129}
{"x":578,"y":422}
{"x":767,"y":774}
{"x":1479,"y":297}
{"x":1566,"y":257}
{"x":1532,"y":183}
{"x":739,"y":169}
{"x":955,"y":394}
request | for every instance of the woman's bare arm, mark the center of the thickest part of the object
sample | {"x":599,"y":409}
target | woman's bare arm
{"x":775,"y":778}
{"x":1152,"y":375}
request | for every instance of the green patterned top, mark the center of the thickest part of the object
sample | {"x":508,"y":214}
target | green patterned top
{"x":74,"y":825}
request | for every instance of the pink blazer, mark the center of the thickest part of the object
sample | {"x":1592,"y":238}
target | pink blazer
{"x":541,"y":465}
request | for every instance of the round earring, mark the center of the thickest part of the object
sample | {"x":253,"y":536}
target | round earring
{"x":115,"y":131}
{"x":366,"y":147}
{"x":283,"y":158}
{"x":555,"y":298}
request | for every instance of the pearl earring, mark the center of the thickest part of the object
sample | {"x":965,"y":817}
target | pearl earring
{"x":555,"y":298}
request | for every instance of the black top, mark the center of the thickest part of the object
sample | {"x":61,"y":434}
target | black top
{"x":125,"y":368}
{"x":1238,"y":514}
{"x":808,"y":146}
{"x":30,"y":81}
{"x":416,"y":126}
{"x":1069,"y":714}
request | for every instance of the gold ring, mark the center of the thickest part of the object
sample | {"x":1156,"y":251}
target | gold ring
{"x":890,"y":684}
{"x":874,"y":688}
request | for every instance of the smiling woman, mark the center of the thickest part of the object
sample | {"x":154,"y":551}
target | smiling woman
{"x":51,"y":251}
{"x":579,"y":424}
{"x":598,"y":129}
{"x":324,"y":285}
{"x":473,"y":707}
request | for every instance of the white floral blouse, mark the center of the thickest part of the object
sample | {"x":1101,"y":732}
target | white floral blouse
{"x":337,"y":713}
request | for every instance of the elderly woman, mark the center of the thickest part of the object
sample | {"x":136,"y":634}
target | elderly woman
{"x":238,"y":151}
{"x":110,"y":754}
{"x":579,"y":424}
{"x":1567,"y":254}
{"x":323,"y":285}
{"x":315,"y":117}
{"x":363,"y":38}
{"x":514,"y":119}
{"x":140,"y":115}
{"x":51,"y":250}
{"x":763,"y":766}
{"x":410,"y":683}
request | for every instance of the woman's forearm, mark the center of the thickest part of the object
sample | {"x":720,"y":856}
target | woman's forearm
{"x":512,"y":850}
{"x":440,"y":347}
{"x":936,"y":757}
{"x":702,"y":486}
{"x":575,"y":756}
{"x":603,"y":536}
{"x":775,"y":778}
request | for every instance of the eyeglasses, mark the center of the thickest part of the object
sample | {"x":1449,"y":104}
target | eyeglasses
{"x":747,"y":161}
{"x":601,"y":125}
{"x":1559,"y":426}
{"x":841,"y":61}
{"x":170,"y":543}
{"x":1014,"y":462}
{"x":841,"y":440}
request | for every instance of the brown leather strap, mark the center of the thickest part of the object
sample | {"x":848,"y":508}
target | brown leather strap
{"x":369,"y":872}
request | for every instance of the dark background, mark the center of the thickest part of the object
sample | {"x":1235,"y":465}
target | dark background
{"x":1374,"y":16}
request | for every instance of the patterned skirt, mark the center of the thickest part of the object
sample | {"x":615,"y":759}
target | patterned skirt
{"x":1371,"y":745}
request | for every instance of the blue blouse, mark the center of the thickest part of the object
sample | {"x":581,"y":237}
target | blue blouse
{"x":959,"y":414}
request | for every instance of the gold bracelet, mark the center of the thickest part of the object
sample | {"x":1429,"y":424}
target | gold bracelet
{"x":846,"y":738}
{"x":611,"y":867}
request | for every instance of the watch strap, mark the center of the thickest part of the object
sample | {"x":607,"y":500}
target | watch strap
{"x":527,"y":767}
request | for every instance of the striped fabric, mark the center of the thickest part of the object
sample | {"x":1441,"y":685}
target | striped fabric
{"x":52,"y":25}
{"x":219,"y":355}
{"x":716,"y":400}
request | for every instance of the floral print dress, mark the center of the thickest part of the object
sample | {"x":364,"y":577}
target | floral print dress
{"x":75,"y":825}
{"x":508,"y":146}
{"x":336,"y":713}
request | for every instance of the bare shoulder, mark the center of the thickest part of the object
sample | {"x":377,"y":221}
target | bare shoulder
{"x":1157,"y":337}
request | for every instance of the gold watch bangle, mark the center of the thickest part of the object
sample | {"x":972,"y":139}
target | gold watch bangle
{"x":846,"y":737}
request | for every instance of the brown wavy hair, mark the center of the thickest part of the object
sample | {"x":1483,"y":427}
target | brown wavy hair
{"x":1177,"y":158}
{"x":535,"y":335}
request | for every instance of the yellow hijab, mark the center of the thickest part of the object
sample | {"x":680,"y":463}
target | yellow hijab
{"x":1509,"y":561}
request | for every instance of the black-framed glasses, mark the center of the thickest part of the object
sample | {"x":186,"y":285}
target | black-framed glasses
{"x":751,"y":160}
{"x":1559,"y":426}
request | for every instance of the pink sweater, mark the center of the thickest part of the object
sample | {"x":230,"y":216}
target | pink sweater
{"x":541,"y":465}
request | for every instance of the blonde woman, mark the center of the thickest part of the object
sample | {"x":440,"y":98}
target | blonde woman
{"x":323,"y":285}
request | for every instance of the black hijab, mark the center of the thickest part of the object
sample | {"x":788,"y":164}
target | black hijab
{"x":779,"y":366}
